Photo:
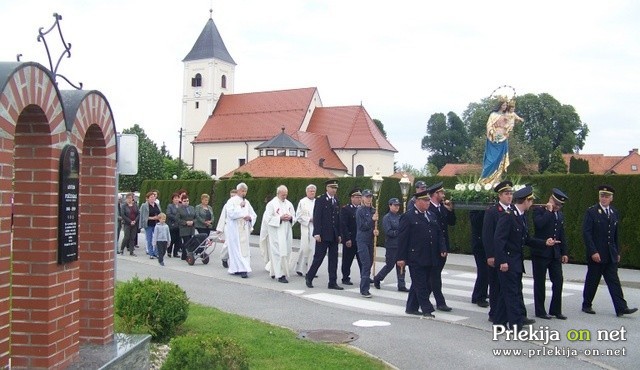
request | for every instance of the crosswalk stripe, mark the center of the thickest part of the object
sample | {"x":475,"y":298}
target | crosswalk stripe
{"x":467,"y":306}
{"x":526,"y":281}
{"x":371,"y":305}
{"x":470,"y":284}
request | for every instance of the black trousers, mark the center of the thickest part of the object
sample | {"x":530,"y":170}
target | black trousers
{"x":480,"y":289}
{"x":176,"y":242}
{"x":540,"y":267}
{"x":435,"y":282}
{"x":321,"y":251}
{"x":130,"y":238}
{"x":494,"y":290}
{"x":418,"y":296}
{"x":595,"y":271}
{"x":347,"y":259}
{"x":390,"y":264}
{"x":510,"y":301}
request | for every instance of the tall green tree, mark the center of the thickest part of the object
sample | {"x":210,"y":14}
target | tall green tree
{"x":556,"y":163}
{"x":150,"y":161}
{"x":447,"y":139}
{"x":380,"y":127}
{"x":578,"y":165}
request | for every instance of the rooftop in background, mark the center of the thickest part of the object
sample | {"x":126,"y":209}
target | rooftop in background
{"x":282,"y":167}
{"x":600,"y":164}
{"x":209,"y":45}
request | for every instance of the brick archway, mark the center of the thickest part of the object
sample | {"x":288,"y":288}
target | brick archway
{"x":47,"y":308}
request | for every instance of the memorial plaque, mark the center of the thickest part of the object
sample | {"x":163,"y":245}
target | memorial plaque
{"x":68,"y":205}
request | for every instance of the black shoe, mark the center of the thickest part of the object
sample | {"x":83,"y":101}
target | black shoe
{"x":118,"y":252}
{"x":299,"y":273}
{"x":626,"y":311}
{"x":443,"y":307}
{"x":482,"y":303}
{"x":412,"y":312}
{"x":403,"y":289}
{"x":309,"y":283}
{"x":366,"y":295}
{"x":528,"y":321}
{"x":588,"y":310}
{"x":243,"y":275}
{"x":347,"y":282}
{"x":273,"y":277}
{"x":545,"y":316}
{"x":336,"y":287}
{"x":169,"y":254}
{"x":133,"y":254}
{"x":376,"y":283}
{"x":490,"y":319}
{"x":283,"y":279}
{"x":225,"y":264}
{"x":561,"y":316}
{"x":428,"y":315}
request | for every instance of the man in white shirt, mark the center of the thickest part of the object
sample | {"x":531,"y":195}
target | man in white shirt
{"x":304,"y":216}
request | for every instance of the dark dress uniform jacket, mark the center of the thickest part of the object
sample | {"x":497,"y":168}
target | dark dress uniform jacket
{"x":510,"y":237}
{"x":548,"y":226}
{"x":600,"y":233}
{"x":420,"y":241}
{"x":326,"y":218}
{"x":349,"y":227}
{"x":491,"y":216}
{"x":445,"y":219}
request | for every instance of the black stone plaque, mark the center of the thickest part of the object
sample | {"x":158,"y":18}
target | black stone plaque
{"x":68,"y":205}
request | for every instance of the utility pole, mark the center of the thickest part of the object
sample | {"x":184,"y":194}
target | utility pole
{"x":180,"y":153}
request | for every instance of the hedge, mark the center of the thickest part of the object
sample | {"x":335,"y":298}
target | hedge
{"x":581,"y":189}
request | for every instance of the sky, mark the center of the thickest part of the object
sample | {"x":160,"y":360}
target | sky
{"x":403,"y":61}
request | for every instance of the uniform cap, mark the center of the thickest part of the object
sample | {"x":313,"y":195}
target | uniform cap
{"x":559,"y":196}
{"x":422,"y":195}
{"x":394,"y":201}
{"x":435,"y":188}
{"x":505,"y":185}
{"x":355,"y":192}
{"x":332,"y":183}
{"x":607,"y":189}
{"x":524,"y":193}
{"x":367,"y":193}
{"x":421,"y":184}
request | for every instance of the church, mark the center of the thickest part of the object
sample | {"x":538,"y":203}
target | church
{"x":225,"y":132}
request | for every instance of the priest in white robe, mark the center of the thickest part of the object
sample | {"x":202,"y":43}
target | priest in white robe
{"x":279,"y":215}
{"x":240,"y":219}
{"x":304,"y":216}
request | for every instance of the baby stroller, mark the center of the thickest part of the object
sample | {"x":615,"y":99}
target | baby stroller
{"x":200,"y":246}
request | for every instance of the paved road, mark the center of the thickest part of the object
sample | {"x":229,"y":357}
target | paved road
{"x":461,"y":338}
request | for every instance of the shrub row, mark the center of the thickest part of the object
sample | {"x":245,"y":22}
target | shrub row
{"x":581,"y":189}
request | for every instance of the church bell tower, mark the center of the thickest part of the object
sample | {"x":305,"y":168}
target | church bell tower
{"x":209,"y":71}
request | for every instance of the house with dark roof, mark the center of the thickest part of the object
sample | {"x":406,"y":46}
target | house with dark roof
{"x":224,"y":131}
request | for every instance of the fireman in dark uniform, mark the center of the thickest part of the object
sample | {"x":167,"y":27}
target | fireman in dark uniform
{"x":548,"y":222}
{"x":600,"y":233}
{"x":349,"y":230}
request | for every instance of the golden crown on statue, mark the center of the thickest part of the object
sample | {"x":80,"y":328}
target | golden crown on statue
{"x":504,"y":94}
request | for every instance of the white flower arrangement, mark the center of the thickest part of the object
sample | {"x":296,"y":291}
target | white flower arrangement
{"x":470,"y":190}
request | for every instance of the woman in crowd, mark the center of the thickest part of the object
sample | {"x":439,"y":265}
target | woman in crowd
{"x":204,"y":215}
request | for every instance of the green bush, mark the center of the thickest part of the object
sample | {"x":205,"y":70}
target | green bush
{"x":205,"y":351}
{"x":152,"y":306}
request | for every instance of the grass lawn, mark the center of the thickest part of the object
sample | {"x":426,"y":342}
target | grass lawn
{"x":272,"y":347}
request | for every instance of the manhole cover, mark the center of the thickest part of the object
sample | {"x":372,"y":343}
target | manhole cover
{"x":328,"y":336}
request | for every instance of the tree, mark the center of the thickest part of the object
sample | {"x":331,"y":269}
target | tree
{"x":427,"y":170}
{"x":446,"y":139}
{"x":548,"y":124}
{"x":578,"y":165}
{"x":380,"y":127}
{"x":150,"y":161}
{"x":556,"y":163}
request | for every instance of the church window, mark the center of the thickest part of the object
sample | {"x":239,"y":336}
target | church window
{"x":282,"y":152}
{"x":213,"y":164}
{"x":223,"y":82}
{"x":241,"y":161}
{"x":303,"y":153}
{"x":293,"y":153}
{"x":197,"y":80}
{"x":197,"y":104}
{"x":359,"y":170}
{"x":270,"y":152}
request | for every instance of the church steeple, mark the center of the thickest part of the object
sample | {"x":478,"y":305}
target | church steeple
{"x":209,"y":45}
{"x":209,"y":72}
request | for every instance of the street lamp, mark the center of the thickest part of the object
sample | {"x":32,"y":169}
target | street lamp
{"x":377,"y":184}
{"x":405,"y":184}
{"x":174,"y":177}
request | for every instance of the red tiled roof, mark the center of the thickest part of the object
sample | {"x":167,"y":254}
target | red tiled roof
{"x":256,"y":116}
{"x":320,"y":149}
{"x":282,"y":167}
{"x":599,"y":164}
{"x":454,"y":169}
{"x":348,"y":128}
